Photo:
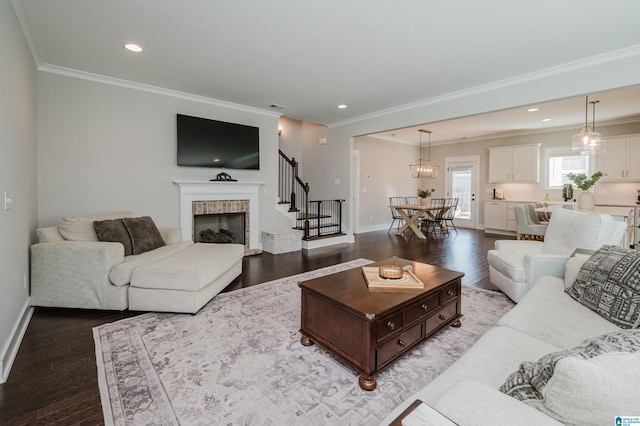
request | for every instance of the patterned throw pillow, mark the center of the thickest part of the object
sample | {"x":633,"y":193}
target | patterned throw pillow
{"x":609,"y":284}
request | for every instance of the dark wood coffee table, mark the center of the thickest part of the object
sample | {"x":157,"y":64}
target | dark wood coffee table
{"x":370,"y":329}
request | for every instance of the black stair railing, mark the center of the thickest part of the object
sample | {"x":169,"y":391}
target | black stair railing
{"x":323,"y":218}
{"x":317,"y":219}
{"x":291,"y":189}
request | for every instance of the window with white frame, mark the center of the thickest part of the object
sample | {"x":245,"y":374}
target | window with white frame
{"x":561,"y":162}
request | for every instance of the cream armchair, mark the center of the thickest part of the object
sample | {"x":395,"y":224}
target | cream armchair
{"x":514,"y":266}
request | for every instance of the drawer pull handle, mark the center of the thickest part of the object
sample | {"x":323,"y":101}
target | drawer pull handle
{"x":402,"y":343}
{"x":391,"y":325}
{"x":442,"y":317}
{"x":424,"y":307}
{"x":450,"y":293}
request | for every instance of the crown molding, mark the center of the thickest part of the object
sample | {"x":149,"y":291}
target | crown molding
{"x":514,"y":133}
{"x":99,"y":78}
{"x":501,"y":84}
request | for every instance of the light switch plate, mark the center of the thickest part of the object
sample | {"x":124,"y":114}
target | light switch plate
{"x":7,"y":200}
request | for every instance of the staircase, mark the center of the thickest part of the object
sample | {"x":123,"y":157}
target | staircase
{"x":319,"y":219}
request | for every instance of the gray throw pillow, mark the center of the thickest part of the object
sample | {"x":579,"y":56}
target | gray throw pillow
{"x":143,"y":233}
{"x":114,"y":231}
{"x":609,"y":284}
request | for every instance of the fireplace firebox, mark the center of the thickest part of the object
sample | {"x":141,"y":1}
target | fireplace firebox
{"x":219,"y":228}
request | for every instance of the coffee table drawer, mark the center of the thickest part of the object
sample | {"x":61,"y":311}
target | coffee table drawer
{"x":388,"y":325}
{"x":440,"y":318}
{"x":422,"y":308}
{"x":398,"y":345}
{"x":449,"y":293}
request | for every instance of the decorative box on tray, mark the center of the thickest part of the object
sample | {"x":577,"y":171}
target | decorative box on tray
{"x":391,"y":277}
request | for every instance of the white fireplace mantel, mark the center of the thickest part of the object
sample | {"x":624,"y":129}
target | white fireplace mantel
{"x":191,"y":191}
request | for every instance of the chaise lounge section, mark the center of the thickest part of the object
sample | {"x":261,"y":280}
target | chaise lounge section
{"x":132,"y":264}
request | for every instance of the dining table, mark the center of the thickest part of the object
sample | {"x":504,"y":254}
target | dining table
{"x":411,"y":213}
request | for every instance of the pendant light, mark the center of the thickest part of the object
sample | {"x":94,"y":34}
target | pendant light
{"x":421,"y":168}
{"x":588,"y":141}
{"x":596,"y":144}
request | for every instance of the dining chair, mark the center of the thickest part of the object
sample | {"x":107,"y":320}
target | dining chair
{"x":413,"y":201}
{"x":526,"y":226}
{"x":433,"y":217}
{"x":449,"y":213}
{"x":396,"y":201}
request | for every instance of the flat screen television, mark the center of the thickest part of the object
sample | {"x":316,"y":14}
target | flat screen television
{"x":210,"y":143}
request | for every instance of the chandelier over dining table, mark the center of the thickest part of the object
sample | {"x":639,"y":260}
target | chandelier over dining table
{"x":422,"y":168}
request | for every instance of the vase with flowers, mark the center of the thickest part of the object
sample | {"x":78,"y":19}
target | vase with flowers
{"x":586,"y":199}
{"x":424,"y":195}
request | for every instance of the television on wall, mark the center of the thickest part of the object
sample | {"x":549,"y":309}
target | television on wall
{"x":210,"y":143}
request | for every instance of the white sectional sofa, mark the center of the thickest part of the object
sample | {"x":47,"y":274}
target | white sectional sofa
{"x":72,"y":268}
{"x":546,"y":320}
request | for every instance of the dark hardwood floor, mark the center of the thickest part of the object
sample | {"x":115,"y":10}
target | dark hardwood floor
{"x":54,"y":379}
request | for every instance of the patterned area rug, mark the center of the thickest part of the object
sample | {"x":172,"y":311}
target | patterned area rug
{"x":239,"y":361}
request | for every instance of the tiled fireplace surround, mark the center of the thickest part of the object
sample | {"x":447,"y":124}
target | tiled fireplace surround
{"x":221,"y":197}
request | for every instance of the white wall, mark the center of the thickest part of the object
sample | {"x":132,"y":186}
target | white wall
{"x":384,"y":173}
{"x":18,"y":176}
{"x":290,"y":141}
{"x":103,"y":148}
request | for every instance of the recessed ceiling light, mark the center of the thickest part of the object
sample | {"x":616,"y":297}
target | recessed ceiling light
{"x":532,"y":109}
{"x":546,"y":119}
{"x":342,"y":106}
{"x":132,"y":47}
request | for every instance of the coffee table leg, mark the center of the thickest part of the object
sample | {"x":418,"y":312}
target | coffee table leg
{"x":306,"y":341}
{"x":456,"y":324}
{"x":367,"y":383}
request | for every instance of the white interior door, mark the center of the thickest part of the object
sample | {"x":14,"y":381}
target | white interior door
{"x":461,"y":181}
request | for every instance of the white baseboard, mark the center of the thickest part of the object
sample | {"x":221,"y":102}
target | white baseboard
{"x":372,"y":228}
{"x":17,"y":333}
{"x":326,"y":242}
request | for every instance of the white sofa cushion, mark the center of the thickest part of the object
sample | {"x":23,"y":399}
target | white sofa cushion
{"x":569,"y":229}
{"x":121,"y":274}
{"x":590,"y":384}
{"x":190,"y":269}
{"x":80,"y":228}
{"x":490,"y":360}
{"x":49,"y":234}
{"x":593,"y":392}
{"x":473,"y":403}
{"x":547,"y":313}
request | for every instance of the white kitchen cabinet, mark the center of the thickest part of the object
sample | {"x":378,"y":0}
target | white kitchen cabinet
{"x":617,"y":163}
{"x":495,"y":215}
{"x":500,"y":216}
{"x":519,"y":163}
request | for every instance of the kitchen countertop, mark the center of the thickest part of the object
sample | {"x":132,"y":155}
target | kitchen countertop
{"x":564,"y":203}
{"x":624,"y":212}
